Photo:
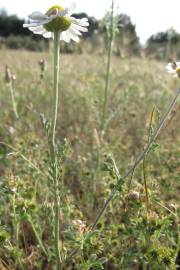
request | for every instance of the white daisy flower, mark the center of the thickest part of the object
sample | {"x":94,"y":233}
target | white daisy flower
{"x":57,"y":19}
{"x":174,"y":69}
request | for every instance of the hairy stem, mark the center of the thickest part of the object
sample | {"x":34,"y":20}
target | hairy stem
{"x":56,"y":90}
{"x":52,"y":149}
{"x":56,"y":220}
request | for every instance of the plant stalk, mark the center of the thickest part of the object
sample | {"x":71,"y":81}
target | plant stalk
{"x":56,"y":221}
{"x":105,"y":99}
{"x":52,"y":148}
{"x":37,"y":236}
{"x":56,"y":90}
{"x":13,"y":101}
{"x":109,"y":54}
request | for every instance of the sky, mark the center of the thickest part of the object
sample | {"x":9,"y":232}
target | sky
{"x":149,"y":17}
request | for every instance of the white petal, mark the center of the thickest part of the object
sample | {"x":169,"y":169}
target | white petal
{"x":40,"y":30}
{"x":81,"y":22}
{"x":80,"y":28}
{"x":85,"y":20}
{"x":48,"y":34}
{"x":171,"y":71}
{"x":75,"y":38}
{"x":75,"y":31}
{"x":171,"y":67}
{"x":27,"y":25}
{"x":37,"y":16}
{"x":63,"y":13}
{"x":65,"y":36}
{"x":70,"y":9}
{"x":38,"y":23}
{"x":73,"y":35}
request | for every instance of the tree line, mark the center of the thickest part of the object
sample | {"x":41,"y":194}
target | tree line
{"x":160,"y":45}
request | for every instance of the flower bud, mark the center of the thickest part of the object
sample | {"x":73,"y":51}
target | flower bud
{"x":42,"y":64}
{"x":8,"y":76}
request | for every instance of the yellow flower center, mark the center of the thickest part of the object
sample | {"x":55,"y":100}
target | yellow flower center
{"x":178,"y":71}
{"x":60,"y":23}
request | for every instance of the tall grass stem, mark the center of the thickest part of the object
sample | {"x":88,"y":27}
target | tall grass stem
{"x":109,"y":54}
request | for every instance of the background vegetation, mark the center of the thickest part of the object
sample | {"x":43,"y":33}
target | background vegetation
{"x":136,"y":232}
{"x":163,"y":45}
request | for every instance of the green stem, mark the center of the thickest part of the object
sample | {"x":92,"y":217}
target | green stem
{"x":105,"y":99}
{"x":37,"y":236}
{"x":106,"y":90}
{"x":56,"y":222}
{"x":16,"y":227}
{"x":56,"y":90}
{"x":13,"y":100}
{"x":16,"y":230}
{"x":178,"y":236}
{"x":52,"y":149}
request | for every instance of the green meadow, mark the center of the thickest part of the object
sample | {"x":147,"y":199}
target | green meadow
{"x":139,"y":228}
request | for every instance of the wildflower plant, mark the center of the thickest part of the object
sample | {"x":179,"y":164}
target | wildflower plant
{"x":174,"y":68}
{"x":111,"y":167}
{"x":56,"y":23}
{"x":129,"y":232}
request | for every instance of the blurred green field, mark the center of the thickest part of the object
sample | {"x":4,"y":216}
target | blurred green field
{"x":137,"y":85}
